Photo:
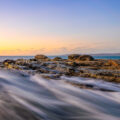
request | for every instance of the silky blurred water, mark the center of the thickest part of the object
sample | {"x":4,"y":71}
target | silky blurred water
{"x":55,"y":99}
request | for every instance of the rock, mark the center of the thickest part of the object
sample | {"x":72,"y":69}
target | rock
{"x":9,"y":62}
{"x":70,"y":71}
{"x":10,"y":66}
{"x":34,"y":66}
{"x":112,"y":63}
{"x":85,"y":58}
{"x":73,"y":64}
{"x":23,"y":62}
{"x":33,"y":60}
{"x":51,"y":66}
{"x":63,"y":69}
{"x":41,"y":57}
{"x":73,"y":56}
{"x":80,"y":57}
{"x":43,"y":70}
{"x":57,"y":59}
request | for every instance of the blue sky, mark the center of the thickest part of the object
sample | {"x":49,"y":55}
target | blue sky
{"x":30,"y":27}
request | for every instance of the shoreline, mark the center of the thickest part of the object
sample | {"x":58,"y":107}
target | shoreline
{"x":76,"y":65}
{"x":97,"y":57}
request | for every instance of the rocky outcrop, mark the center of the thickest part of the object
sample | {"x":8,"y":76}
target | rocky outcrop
{"x":73,"y":56}
{"x":9,"y":62}
{"x":75,"y":65}
{"x":57,"y":59}
{"x":111,"y":63}
{"x":80,"y":57}
{"x":41,"y":57}
{"x":85,"y":58}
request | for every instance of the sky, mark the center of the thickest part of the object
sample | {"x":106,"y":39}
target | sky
{"x":56,"y":27}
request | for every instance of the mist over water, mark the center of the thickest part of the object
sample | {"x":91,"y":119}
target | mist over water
{"x":25,"y":97}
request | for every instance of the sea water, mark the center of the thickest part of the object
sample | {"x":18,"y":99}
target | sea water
{"x":2,"y":58}
{"x":30,"y":97}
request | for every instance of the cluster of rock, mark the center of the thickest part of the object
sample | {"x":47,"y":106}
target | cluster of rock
{"x":77,"y":57}
{"x":75,"y":65}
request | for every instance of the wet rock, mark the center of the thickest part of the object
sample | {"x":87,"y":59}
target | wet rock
{"x":70,"y":71}
{"x":34,"y":66}
{"x":23,"y":62}
{"x":73,"y":56}
{"x":85,"y":58}
{"x":57,"y":59}
{"x":33,"y":60}
{"x":67,"y":70}
{"x":80,"y":57}
{"x":12,"y":66}
{"x":73,"y":64}
{"x":76,"y":65}
{"x":51,"y":76}
{"x":41,"y":57}
{"x":61,"y":68}
{"x":43,"y":69}
{"x":9,"y":62}
{"x":52,"y":66}
{"x":112,"y":63}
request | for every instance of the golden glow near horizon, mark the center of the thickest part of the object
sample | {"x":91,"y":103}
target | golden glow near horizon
{"x":50,"y":45}
{"x":17,"y":43}
{"x":35,"y":46}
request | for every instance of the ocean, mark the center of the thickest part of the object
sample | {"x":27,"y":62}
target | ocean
{"x":30,"y":97}
{"x":2,"y":58}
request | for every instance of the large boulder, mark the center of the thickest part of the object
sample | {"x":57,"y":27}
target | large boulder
{"x":73,"y":56}
{"x":80,"y":57}
{"x":41,"y":57}
{"x":85,"y":58}
{"x":57,"y":59}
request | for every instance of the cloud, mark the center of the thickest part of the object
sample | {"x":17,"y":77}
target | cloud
{"x":81,"y":49}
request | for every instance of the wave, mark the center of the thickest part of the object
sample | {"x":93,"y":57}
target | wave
{"x":24,"y":97}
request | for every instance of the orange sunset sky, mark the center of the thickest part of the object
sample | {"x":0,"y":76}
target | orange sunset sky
{"x":29,"y":27}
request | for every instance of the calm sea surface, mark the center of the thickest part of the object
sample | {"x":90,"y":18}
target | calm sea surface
{"x":64,"y":57}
